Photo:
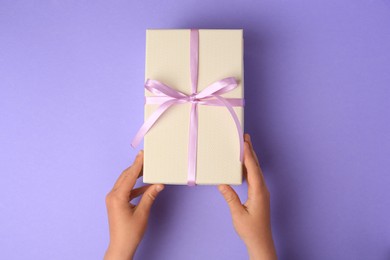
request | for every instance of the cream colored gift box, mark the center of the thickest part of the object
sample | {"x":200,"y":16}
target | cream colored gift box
{"x":166,"y":143}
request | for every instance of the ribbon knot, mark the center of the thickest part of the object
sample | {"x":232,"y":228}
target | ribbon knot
{"x":193,"y":98}
{"x":167,"y":96}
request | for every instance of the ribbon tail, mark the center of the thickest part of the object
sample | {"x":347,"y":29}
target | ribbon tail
{"x":151,"y":120}
{"x":192,"y":145}
{"x":237,"y":122}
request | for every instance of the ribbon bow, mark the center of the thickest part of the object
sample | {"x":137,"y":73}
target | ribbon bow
{"x":211,"y":95}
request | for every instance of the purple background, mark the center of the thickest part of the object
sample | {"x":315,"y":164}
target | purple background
{"x":317,"y":79}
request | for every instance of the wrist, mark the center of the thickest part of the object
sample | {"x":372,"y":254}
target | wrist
{"x":264,"y":250}
{"x":117,"y":253}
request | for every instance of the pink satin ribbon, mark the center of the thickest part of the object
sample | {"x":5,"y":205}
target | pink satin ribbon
{"x":211,"y":95}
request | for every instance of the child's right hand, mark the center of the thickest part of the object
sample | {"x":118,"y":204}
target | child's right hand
{"x":251,"y":220}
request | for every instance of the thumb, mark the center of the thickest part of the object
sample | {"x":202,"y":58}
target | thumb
{"x":231,"y":198}
{"x":149,"y":197}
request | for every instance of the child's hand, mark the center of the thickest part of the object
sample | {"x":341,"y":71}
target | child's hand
{"x":128,"y":221}
{"x":251,"y":220}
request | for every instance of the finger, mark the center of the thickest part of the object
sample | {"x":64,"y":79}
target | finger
{"x":231,"y":198}
{"x":253,"y":172}
{"x":130,"y":177}
{"x":247,"y":138}
{"x":148,"y":198}
{"x":138,"y":191}
{"x":121,"y":177}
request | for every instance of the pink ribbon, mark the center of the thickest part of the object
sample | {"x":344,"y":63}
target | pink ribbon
{"x":211,"y":95}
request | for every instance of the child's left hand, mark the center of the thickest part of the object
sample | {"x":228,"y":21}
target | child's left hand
{"x":127,"y":221}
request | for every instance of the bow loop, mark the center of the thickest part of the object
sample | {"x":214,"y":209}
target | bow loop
{"x":219,"y":87}
{"x":160,"y":89}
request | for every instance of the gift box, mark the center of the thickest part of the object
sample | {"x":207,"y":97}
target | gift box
{"x":194,"y":107}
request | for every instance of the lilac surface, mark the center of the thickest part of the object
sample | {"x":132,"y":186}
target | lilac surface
{"x":317,"y":78}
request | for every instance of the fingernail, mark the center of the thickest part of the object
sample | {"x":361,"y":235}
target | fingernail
{"x":222,"y":188}
{"x":159,"y":188}
{"x":138,"y":154}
